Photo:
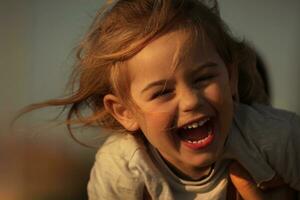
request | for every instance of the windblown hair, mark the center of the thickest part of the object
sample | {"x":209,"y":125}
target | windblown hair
{"x":121,"y":29}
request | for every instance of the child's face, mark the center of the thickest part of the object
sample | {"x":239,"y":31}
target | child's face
{"x":196,"y":91}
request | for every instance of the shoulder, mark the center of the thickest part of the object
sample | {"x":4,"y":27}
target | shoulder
{"x":116,"y":169}
{"x":121,"y":145}
{"x":260,"y":121}
{"x":275,"y":134}
{"x":258,"y":113}
{"x":124,"y":154}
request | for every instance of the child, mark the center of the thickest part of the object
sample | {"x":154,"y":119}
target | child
{"x":164,"y":75}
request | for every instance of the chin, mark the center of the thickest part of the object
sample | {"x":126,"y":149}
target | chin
{"x":203,"y":160}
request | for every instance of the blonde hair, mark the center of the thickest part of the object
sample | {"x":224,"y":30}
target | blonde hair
{"x":120,"y":30}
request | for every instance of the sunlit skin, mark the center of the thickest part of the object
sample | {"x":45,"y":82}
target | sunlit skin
{"x":169,"y":97}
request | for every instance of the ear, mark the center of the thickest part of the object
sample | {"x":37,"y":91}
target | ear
{"x":233,"y":79}
{"x":120,"y":112}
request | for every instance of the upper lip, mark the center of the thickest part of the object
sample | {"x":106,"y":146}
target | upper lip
{"x":198,"y":119}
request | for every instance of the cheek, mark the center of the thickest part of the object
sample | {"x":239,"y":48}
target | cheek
{"x":217,"y":94}
{"x":156,"y":120}
{"x":220,"y":97}
{"x":157,"y":116}
{"x":156,"y":111}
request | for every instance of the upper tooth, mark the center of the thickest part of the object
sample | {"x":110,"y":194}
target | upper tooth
{"x":196,"y":124}
{"x":202,"y":122}
{"x":189,"y":126}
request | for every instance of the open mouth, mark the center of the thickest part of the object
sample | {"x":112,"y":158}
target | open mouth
{"x":197,"y":135}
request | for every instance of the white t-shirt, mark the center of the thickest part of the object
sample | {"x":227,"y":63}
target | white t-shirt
{"x":214,"y":186}
{"x":264,"y":140}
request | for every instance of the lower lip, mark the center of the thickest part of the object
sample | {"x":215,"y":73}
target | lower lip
{"x":196,"y":146}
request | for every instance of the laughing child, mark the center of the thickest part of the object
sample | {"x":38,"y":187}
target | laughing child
{"x":164,"y":76}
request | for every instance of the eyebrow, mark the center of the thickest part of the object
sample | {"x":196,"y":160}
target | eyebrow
{"x":164,"y":81}
{"x":208,"y":64}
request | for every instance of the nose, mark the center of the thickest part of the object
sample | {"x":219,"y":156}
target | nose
{"x":189,"y":99}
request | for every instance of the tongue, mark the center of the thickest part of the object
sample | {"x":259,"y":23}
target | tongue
{"x":195,"y":134}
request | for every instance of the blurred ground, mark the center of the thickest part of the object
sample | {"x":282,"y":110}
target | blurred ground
{"x":41,"y":170}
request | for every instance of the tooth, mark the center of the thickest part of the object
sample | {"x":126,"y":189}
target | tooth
{"x":203,"y":122}
{"x":196,"y":124}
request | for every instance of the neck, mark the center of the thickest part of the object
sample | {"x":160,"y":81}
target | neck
{"x":186,"y":172}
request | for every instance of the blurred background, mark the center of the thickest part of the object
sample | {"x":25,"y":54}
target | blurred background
{"x":40,"y":160}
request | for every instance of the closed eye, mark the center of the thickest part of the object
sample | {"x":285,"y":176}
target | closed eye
{"x":162,"y":93}
{"x":204,"y":79}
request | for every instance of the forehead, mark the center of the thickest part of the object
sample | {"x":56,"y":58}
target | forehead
{"x":163,"y":52}
{"x":170,"y":51}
